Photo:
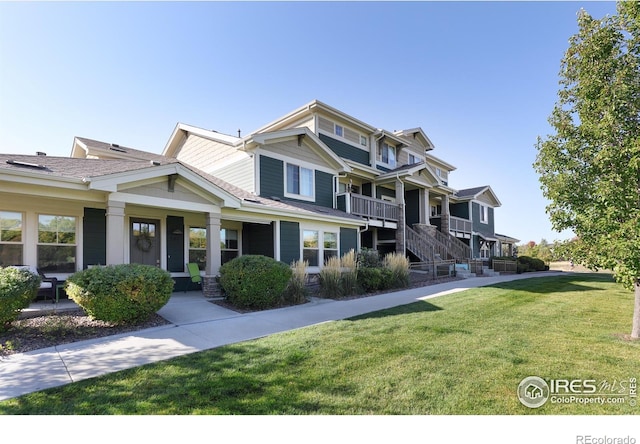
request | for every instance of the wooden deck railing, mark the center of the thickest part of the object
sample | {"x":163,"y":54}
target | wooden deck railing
{"x":374,"y":208}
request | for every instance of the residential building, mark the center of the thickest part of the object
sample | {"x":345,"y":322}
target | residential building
{"x":310,"y":185}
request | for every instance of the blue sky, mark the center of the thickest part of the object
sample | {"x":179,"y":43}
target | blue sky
{"x":480,"y":78}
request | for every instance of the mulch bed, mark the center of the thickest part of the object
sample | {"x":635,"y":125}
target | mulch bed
{"x":36,"y":332}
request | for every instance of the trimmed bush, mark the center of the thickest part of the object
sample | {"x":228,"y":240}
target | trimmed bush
{"x":374,"y":279}
{"x":120,"y":294}
{"x":18,"y":287}
{"x":254,"y":281}
{"x":368,"y":258}
{"x":531,"y":263}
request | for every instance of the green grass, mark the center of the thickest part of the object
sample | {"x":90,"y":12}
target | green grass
{"x":464,"y":353}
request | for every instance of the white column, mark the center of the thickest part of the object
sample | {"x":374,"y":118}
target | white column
{"x":213,"y":244}
{"x":115,"y":233}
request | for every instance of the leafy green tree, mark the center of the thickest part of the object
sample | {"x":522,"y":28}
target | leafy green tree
{"x":590,"y":168}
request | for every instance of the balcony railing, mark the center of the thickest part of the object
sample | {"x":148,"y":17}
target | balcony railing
{"x":460,"y":225}
{"x":371,"y":208}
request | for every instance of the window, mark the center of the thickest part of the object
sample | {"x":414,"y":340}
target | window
{"x":310,"y":249}
{"x":198,"y":246}
{"x":10,"y":238}
{"x":228,"y":244}
{"x":299,"y":181}
{"x":485,"y":252}
{"x":363,"y":140}
{"x":436,"y":210}
{"x":330,"y":245}
{"x":387,"y":155}
{"x":57,"y":243}
{"x":338,"y":130}
{"x":484,"y":214}
{"x":413,"y":159}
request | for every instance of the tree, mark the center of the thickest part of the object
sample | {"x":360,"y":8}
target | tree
{"x":590,"y":168}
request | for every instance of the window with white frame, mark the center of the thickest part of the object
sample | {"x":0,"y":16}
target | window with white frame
{"x":436,"y":210}
{"x":11,"y":246}
{"x":484,"y":214}
{"x":485,"y":252}
{"x":387,"y":155}
{"x":363,"y":140}
{"x":330,"y":244}
{"x":318,"y":246}
{"x":311,"y":247}
{"x":198,"y":246}
{"x":57,"y":243}
{"x":338,"y":130}
{"x":299,"y":181}
{"x":414,"y":159}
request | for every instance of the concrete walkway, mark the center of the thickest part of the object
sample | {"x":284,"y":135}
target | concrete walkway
{"x":197,"y":325}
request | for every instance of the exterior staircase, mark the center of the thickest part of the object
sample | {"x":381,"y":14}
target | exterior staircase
{"x":429,"y":244}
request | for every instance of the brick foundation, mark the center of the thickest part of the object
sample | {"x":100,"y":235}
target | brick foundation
{"x":211,"y":288}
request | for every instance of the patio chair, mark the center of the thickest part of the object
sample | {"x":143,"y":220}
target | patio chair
{"x":194,"y":275}
{"x":48,"y":285}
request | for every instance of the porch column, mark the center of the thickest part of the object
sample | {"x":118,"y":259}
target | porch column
{"x":425,"y":210}
{"x":210,"y":288}
{"x":400,"y":231}
{"x":444,"y":219}
{"x":115,"y":233}
{"x":213,"y":244}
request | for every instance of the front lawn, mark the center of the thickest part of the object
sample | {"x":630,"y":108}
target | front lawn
{"x":463,"y":353}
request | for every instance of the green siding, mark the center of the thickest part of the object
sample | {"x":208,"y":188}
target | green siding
{"x":175,"y":243}
{"x":94,"y":236}
{"x":348,"y":240}
{"x":479,"y":226}
{"x":271,"y":177}
{"x":324,"y":189}
{"x":381,"y":191}
{"x":289,"y":242}
{"x":345,"y":150}
{"x":412,"y":207}
{"x":460,"y":210}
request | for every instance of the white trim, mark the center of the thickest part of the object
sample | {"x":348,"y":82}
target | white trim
{"x":160,"y":202}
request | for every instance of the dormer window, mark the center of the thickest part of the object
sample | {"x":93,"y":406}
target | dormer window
{"x":363,"y":140}
{"x":339,"y":130}
{"x":387,"y":155}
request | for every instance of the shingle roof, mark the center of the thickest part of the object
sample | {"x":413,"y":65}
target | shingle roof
{"x":74,"y":168}
{"x":470,"y":192}
{"x":81,"y":168}
{"x":119,"y":149}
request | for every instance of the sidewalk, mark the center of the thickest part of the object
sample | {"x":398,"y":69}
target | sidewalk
{"x":197,"y":325}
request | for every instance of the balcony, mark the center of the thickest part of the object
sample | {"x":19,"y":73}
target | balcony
{"x":459,"y":225}
{"x":378,"y":212}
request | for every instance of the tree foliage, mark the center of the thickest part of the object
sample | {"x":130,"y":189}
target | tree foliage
{"x":590,"y":168}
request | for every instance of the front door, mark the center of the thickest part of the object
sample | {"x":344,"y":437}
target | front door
{"x":145,"y":242}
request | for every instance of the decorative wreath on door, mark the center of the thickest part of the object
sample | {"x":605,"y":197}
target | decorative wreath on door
{"x":144,"y":241}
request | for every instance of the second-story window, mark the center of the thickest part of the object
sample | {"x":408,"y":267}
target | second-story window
{"x":339,"y":130}
{"x":387,"y":155}
{"x":299,"y":181}
{"x":363,"y":140}
{"x":484,"y":214}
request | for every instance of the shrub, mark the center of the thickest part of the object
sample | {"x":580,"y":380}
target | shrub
{"x":331,"y":278}
{"x":369,"y":258}
{"x":373,"y":279}
{"x":120,"y":294}
{"x":398,"y":265}
{"x":296,"y":291}
{"x":18,"y":287}
{"x":531,"y":263}
{"x":349,"y":273}
{"x":254,"y":281}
